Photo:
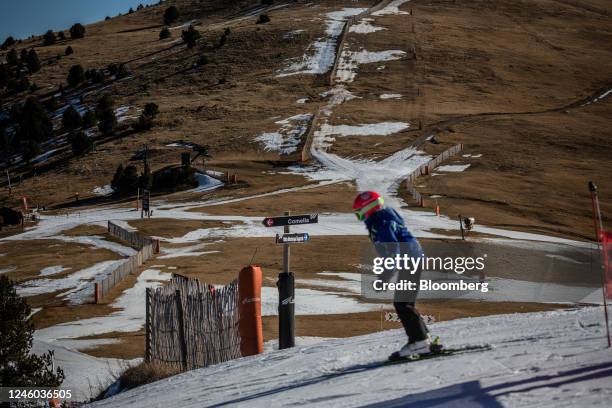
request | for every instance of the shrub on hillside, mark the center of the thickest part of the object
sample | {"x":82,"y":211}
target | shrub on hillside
{"x":118,"y":70}
{"x":131,"y":11}
{"x":140,"y":7}
{"x":80,"y":143}
{"x":146,"y":373}
{"x":145,"y":121}
{"x":262,"y":19}
{"x":77,"y":31}
{"x":191,"y":36}
{"x":164,"y":33}
{"x":171,"y":15}
{"x":49,"y":38}
{"x":18,"y":367}
{"x":76,"y":75}
{"x":69,"y":51}
{"x":61,"y":36}
{"x":32,"y":61}
{"x":71,"y":119}
{"x":11,"y":57}
{"x":89,"y":119}
{"x":105,"y":112}
{"x":23,"y":55}
{"x":8,"y":42}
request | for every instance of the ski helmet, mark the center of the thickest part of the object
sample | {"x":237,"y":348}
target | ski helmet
{"x":366,"y":204}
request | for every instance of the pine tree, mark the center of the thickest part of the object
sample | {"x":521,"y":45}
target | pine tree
{"x":33,"y":121}
{"x":164,"y":33}
{"x":71,"y":119}
{"x":49,"y":38}
{"x":76,"y":75}
{"x":77,"y":31}
{"x":191,"y":36}
{"x":19,"y":368}
{"x":11,"y":57}
{"x":89,"y":119}
{"x":69,"y":50}
{"x":32,"y":61}
{"x":80,"y":143}
{"x":8,"y":42}
{"x":171,"y":15}
{"x":105,"y":113}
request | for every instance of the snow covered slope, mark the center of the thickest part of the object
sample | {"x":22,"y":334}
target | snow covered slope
{"x":539,"y":359}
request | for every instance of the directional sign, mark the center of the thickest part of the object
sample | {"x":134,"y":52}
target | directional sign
{"x":292,"y":238}
{"x":291,"y":220}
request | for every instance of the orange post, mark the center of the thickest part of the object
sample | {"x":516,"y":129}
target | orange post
{"x":250,"y":325}
{"x":438,"y":210}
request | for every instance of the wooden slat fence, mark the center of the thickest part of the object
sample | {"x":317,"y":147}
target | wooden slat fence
{"x":188,"y":325}
{"x":428,"y":168}
{"x":147,"y":248}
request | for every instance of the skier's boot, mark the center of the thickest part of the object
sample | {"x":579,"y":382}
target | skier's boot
{"x":415,"y":348}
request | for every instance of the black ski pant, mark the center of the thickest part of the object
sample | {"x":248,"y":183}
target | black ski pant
{"x":404,"y":304}
{"x":413,"y":323}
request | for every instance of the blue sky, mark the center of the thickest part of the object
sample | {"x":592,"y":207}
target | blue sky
{"x":22,"y":18}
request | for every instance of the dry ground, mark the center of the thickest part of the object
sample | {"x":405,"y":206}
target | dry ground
{"x":498,"y":76}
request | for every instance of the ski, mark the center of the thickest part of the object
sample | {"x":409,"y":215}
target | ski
{"x":437,"y":351}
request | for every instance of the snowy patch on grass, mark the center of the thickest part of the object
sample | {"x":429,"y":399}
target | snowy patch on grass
{"x":52,"y":270}
{"x":129,"y":317}
{"x":350,"y":61}
{"x":391,"y":96}
{"x":364,"y":27}
{"x":103,"y":191}
{"x":287,"y":139}
{"x":453,"y":168}
{"x":206,"y":183}
{"x":192,"y":250}
{"x":7,"y":270}
{"x":97,"y":241}
{"x":368,"y":129}
{"x":72,"y":286}
{"x":391,"y":8}
{"x":320,"y":55}
{"x":302,"y":100}
{"x":314,"y":302}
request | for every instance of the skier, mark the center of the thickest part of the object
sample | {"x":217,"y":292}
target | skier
{"x":390,"y":236}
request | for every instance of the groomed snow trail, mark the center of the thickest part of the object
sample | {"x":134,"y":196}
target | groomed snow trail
{"x":545,"y":359}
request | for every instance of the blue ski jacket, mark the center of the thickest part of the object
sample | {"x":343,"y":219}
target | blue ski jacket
{"x":390,"y":236}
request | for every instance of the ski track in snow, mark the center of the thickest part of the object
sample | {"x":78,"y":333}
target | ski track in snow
{"x":547,"y":359}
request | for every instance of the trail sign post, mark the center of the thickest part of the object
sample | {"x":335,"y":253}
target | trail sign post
{"x":146,"y":201}
{"x":286,"y":280}
{"x":292,"y":238}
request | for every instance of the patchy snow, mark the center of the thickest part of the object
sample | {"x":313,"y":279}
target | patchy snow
{"x":321,"y":54}
{"x":453,"y":168}
{"x":52,"y":270}
{"x":350,"y":61}
{"x":551,"y":359}
{"x":369,"y":129}
{"x":104,"y":190}
{"x":128,"y":318}
{"x":76,"y":287}
{"x":96,"y":241}
{"x":302,"y":100}
{"x":365,"y":27}
{"x":287,"y":139}
{"x":315,"y":302}
{"x":84,"y":373}
{"x":7,"y":270}
{"x":391,"y":8}
{"x":206,"y":183}
{"x":272,"y":345}
{"x":45,"y":156}
{"x":391,"y":96}
{"x":192,"y":250}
